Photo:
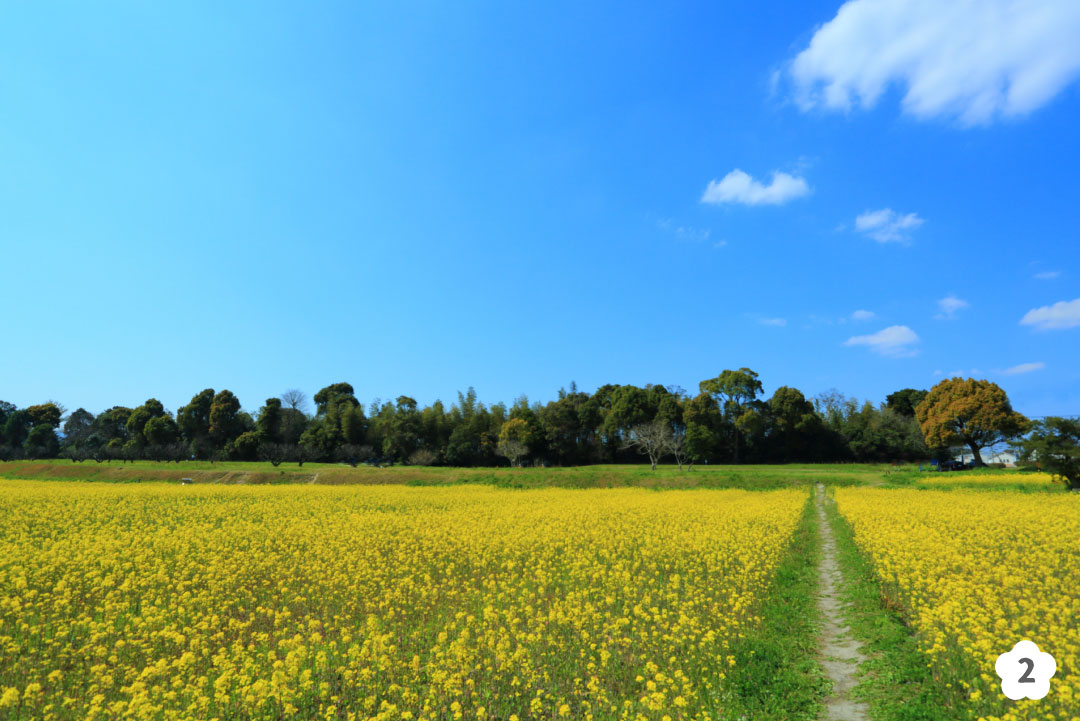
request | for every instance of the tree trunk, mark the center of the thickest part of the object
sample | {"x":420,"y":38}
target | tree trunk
{"x":977,"y":456}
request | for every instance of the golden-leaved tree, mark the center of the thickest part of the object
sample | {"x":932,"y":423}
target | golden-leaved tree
{"x":965,"y":411}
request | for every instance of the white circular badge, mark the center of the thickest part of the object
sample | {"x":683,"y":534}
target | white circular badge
{"x":1025,"y":671}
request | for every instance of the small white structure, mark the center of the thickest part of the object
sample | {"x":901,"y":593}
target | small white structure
{"x":990,"y":456}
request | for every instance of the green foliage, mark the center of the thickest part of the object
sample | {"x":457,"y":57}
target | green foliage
{"x":904,"y":401}
{"x":47,"y":414}
{"x":194,"y":422}
{"x":160,"y":431}
{"x":1054,"y":443}
{"x":245,"y":447}
{"x":735,"y":393}
{"x":225,"y":421}
{"x":41,"y":442}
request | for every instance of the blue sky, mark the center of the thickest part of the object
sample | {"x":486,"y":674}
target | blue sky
{"x":422,"y":196}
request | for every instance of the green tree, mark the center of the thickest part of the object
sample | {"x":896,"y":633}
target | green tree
{"x":735,"y":393}
{"x":160,"y":431}
{"x":245,"y":447}
{"x":47,"y":414}
{"x":225,"y":421}
{"x":795,"y":430}
{"x":77,"y":433}
{"x":514,"y":439}
{"x":268,"y":425}
{"x":194,"y":423}
{"x":401,"y":430}
{"x":703,"y":423}
{"x":1055,"y":443}
{"x":138,"y":419}
{"x":41,"y":442}
{"x":904,"y":401}
{"x":974,"y":413}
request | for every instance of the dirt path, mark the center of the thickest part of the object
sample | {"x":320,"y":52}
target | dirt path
{"x":840,"y":653}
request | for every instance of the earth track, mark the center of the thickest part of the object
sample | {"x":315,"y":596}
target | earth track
{"x":840,"y":652}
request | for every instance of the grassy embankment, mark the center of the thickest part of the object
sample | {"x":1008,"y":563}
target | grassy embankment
{"x":599,"y":476}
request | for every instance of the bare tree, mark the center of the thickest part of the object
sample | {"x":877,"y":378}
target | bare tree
{"x":677,"y":447}
{"x":652,"y":438}
{"x":423,"y":457}
{"x":295,"y":399}
{"x":512,"y":450}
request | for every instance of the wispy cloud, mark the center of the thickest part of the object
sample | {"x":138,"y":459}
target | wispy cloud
{"x":949,"y":306}
{"x":1023,"y":368}
{"x":887,"y":226}
{"x":683,"y":232}
{"x":778,"y":322}
{"x":973,"y":61}
{"x":896,"y":341}
{"x":1060,"y":315}
{"x":862,"y":315}
{"x":1047,"y":275}
{"x":740,"y":187}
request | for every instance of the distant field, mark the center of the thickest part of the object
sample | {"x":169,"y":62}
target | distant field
{"x":600,"y":476}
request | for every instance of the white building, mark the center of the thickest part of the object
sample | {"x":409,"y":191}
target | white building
{"x":989,"y":456}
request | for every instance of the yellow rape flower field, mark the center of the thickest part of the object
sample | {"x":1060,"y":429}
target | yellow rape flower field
{"x":166,"y":602}
{"x":990,"y":480}
{"x":978,"y":572}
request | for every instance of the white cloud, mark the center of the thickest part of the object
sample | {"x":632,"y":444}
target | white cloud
{"x":886,"y":225}
{"x":1060,"y":315}
{"x":896,"y":341}
{"x":1024,"y":368}
{"x":1047,"y":275}
{"x":949,"y":306}
{"x":739,"y":187}
{"x":973,"y":60}
{"x":779,"y":322}
{"x":860,"y":315}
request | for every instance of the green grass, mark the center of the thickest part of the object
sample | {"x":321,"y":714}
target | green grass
{"x":895,"y":679}
{"x":763,"y":477}
{"x":776,"y":676}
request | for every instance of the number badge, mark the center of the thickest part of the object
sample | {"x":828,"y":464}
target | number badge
{"x":1025,"y":671}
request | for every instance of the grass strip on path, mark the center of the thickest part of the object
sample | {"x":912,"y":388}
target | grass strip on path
{"x":776,"y":676}
{"x":895,"y":679}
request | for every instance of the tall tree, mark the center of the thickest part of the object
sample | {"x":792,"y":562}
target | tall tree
{"x":225,"y":421}
{"x":974,"y":413}
{"x":77,"y":432}
{"x":194,"y":423}
{"x":735,"y":392}
{"x":268,"y":424}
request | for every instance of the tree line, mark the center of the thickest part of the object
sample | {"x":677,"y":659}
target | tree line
{"x":727,"y":421}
